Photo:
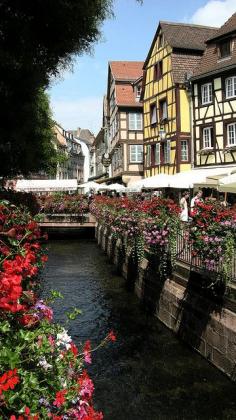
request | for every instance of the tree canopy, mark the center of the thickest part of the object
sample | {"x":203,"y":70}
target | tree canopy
{"x":38,"y":39}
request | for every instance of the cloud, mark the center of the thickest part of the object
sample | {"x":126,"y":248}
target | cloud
{"x":83,"y":112}
{"x":214,"y":13}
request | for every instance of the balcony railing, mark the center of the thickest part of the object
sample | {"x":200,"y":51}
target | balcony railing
{"x":184,"y":254}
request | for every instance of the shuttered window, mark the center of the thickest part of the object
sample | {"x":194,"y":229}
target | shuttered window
{"x":135,"y":121}
{"x":136,"y":153}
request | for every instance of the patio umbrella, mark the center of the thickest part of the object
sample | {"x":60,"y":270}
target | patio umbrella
{"x":89,"y":185}
{"x":116,"y":187}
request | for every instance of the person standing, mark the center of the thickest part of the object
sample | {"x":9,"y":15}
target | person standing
{"x":196,"y":199}
{"x":184,"y":206}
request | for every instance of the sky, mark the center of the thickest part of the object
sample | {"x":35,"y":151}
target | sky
{"x":76,"y":97}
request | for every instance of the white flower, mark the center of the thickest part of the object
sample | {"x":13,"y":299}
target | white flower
{"x":44,"y":364}
{"x":63,"y":339}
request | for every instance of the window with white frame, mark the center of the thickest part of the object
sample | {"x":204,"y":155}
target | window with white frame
{"x":157,"y":154}
{"x":166,"y":153}
{"x":184,"y":151}
{"x":135,"y":121}
{"x":136,"y":153}
{"x":230,"y":87}
{"x":207,"y":137}
{"x":138,"y":92}
{"x":148,"y":155}
{"x":206,"y":93}
{"x":231,"y":134}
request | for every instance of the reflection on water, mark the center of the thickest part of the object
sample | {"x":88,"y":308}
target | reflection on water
{"x":147,"y":374}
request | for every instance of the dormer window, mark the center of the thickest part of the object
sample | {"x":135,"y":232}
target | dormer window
{"x":225,"y":48}
{"x":138,"y":92}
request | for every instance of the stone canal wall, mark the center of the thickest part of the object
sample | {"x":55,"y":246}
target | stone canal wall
{"x":205,"y":323}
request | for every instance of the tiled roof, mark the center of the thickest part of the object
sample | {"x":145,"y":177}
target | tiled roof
{"x":187,"y":36}
{"x":85,"y":135}
{"x":182,"y":36}
{"x":228,"y":27}
{"x":126,"y":70}
{"x":60,"y":138}
{"x":183,"y":65}
{"x":210,"y":61}
{"x":125,"y":95}
{"x":99,"y":137}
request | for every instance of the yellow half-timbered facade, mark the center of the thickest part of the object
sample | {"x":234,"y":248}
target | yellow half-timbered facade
{"x":175,"y":52}
{"x":214,"y":100}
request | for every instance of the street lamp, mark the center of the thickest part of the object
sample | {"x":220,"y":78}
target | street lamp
{"x":162,"y":133}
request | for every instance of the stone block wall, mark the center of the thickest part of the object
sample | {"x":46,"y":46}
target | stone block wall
{"x":207,"y":326}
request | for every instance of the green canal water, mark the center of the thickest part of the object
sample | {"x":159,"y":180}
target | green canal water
{"x":148,"y":374}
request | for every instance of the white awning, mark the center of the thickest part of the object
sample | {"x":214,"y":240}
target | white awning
{"x":157,"y":181}
{"x":46,"y":185}
{"x":228,"y":184}
{"x":152,"y":182}
{"x":199,"y":177}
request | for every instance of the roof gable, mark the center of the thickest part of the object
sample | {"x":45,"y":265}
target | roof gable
{"x":126,"y":70}
{"x":182,"y":36}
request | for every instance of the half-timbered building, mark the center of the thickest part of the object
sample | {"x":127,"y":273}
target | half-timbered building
{"x":174,"y":54}
{"x":125,"y":120}
{"x":214,"y":100}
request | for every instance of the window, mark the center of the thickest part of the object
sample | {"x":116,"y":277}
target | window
{"x":119,"y":156}
{"x":135,"y":121}
{"x":184,"y":151}
{"x":207,"y":137}
{"x":113,"y":128}
{"x":161,"y":41}
{"x":153,"y":114}
{"x":206,"y":93}
{"x":148,"y":155}
{"x":231,"y":134}
{"x":112,"y":101}
{"x":230,"y":87}
{"x":157,"y":154}
{"x":158,"y":70}
{"x":225,"y":48}
{"x":138,"y":92}
{"x":136,"y":153}
{"x":166,"y":147}
{"x":163,"y":110}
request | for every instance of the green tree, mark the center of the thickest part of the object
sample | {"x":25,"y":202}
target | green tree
{"x":38,"y":39}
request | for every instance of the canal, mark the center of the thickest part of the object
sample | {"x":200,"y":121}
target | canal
{"x":147,"y":374}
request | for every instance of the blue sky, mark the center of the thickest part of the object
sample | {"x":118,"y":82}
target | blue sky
{"x":76,"y":99}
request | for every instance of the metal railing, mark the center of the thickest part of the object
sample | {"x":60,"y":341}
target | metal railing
{"x":184,"y":254}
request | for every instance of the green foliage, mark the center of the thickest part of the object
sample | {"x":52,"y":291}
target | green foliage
{"x":38,"y":40}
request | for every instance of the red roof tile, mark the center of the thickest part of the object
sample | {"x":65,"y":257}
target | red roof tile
{"x":125,"y":95}
{"x":126,"y":70}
